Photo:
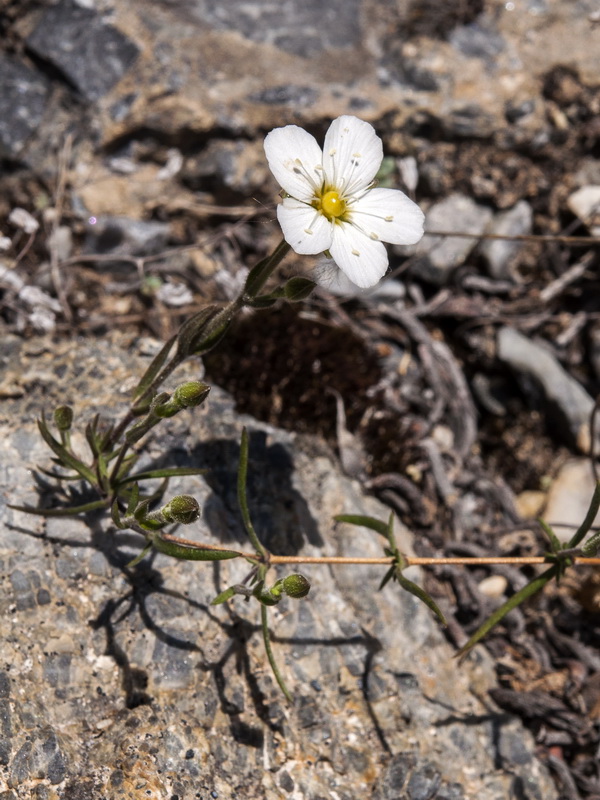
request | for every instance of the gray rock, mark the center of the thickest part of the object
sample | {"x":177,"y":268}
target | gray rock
{"x":477,"y":41}
{"x":301,"y":27}
{"x":438,"y":256}
{"x":499,"y":254}
{"x":468,"y":121}
{"x":239,"y":165}
{"x":585,"y":204}
{"x":91,"y":54}
{"x":23,"y":95}
{"x":125,"y":236}
{"x":127,"y":683}
{"x":298,"y":96}
{"x":567,"y":398}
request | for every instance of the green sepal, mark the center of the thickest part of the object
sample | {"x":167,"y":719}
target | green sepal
{"x":264,"y":596}
{"x":533,"y":587}
{"x":69,"y":511}
{"x":224,"y":596}
{"x":298,"y":288}
{"x":190,"y":552}
{"x":63,"y":454}
{"x":155,"y":366}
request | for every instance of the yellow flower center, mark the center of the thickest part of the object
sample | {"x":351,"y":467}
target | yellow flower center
{"x":332,"y":205}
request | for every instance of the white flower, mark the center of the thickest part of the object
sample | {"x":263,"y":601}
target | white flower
{"x":330,"y":203}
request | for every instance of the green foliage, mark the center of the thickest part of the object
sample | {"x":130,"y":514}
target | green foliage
{"x":108,"y":472}
{"x":398,"y":560}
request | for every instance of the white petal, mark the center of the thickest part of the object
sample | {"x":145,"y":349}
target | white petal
{"x":295,"y":159}
{"x":304,"y":229}
{"x":388,"y":215}
{"x":330,"y":276}
{"x":364,"y":260}
{"x":352,"y":154}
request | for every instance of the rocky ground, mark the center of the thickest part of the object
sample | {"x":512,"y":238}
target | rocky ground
{"x":134,"y":189}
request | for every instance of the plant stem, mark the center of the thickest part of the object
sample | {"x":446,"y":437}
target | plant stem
{"x":270,"y":655}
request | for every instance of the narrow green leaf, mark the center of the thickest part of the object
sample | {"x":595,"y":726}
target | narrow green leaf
{"x":116,"y":515}
{"x":392,"y":539}
{"x":127,"y":464}
{"x":262,"y":301}
{"x":102,"y":467}
{"x":242,"y":497}
{"x":555,"y":543}
{"x":533,"y":587}
{"x":172,"y":472}
{"x":135,"y":561}
{"x":68,"y":511}
{"x":365,"y":522}
{"x":155,"y":366}
{"x":588,"y":521}
{"x":387,"y":577}
{"x":224,"y":596}
{"x":134,"y":499}
{"x":171,"y":547}
{"x":270,"y":655}
{"x":422,"y":595}
{"x":90,"y":435}
{"x":65,"y":457}
{"x":259,"y":274}
{"x":57,"y":476}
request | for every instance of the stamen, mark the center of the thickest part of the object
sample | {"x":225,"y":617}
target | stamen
{"x":300,"y":169}
{"x":355,"y":252}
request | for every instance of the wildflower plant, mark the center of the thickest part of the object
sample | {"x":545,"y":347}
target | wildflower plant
{"x":330,"y":205}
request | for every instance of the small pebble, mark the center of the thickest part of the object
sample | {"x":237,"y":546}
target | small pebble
{"x":493,"y":586}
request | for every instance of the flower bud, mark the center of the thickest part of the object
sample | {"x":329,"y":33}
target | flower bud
{"x":63,"y":417}
{"x":183,"y":508}
{"x":295,"y":586}
{"x":191,"y":394}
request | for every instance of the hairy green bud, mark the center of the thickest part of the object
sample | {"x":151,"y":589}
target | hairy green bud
{"x":191,"y":394}
{"x":63,"y":417}
{"x":295,"y":586}
{"x":183,"y":509}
